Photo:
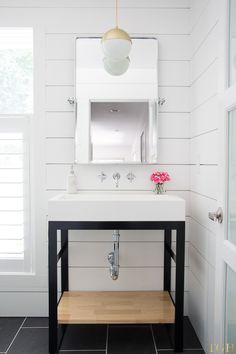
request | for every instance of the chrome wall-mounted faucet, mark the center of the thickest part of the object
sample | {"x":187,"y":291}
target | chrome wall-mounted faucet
{"x":116,"y":177}
{"x":102,"y":176}
{"x":131,"y":176}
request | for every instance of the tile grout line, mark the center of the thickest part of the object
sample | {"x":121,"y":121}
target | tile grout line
{"x":16,"y":334}
{"x":153,"y":338}
{"x":185,"y":349}
{"x":107,"y":339}
{"x":33,"y":328}
{"x":80,"y":350}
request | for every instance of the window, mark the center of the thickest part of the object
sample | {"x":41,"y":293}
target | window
{"x":16,"y":108}
{"x":16,"y":68}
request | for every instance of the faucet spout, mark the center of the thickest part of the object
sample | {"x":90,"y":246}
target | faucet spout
{"x":116,"y":177}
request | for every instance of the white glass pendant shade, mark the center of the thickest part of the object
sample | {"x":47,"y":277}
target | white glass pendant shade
{"x":116,"y":44}
{"x":116,"y":67}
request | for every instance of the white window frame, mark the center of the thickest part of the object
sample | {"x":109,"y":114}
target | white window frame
{"x":20,"y":123}
{"x":36,"y":280}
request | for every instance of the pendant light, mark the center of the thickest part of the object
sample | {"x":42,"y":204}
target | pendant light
{"x":116,"y":45}
{"x":116,"y":67}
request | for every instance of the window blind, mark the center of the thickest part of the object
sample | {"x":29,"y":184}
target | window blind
{"x":14,"y":194}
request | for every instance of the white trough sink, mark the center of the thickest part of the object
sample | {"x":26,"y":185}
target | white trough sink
{"x":116,"y":206}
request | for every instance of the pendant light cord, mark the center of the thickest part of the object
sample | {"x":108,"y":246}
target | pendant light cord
{"x":116,"y":13}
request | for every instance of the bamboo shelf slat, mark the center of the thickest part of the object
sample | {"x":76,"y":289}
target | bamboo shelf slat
{"x":116,"y":307}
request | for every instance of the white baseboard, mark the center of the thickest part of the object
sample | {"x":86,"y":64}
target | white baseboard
{"x":24,"y":304}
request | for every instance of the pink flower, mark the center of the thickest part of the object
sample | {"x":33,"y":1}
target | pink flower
{"x":160,"y":177}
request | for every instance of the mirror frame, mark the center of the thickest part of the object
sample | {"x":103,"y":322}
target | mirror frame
{"x":76,"y":103}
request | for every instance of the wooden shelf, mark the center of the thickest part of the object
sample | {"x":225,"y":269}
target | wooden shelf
{"x":116,"y":307}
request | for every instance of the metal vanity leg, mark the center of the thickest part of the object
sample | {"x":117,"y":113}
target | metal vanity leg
{"x":167,"y":260}
{"x":52,"y":264}
{"x":179,"y":286}
{"x":64,"y":261}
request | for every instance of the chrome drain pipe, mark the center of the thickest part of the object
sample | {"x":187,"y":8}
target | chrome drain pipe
{"x":113,"y":257}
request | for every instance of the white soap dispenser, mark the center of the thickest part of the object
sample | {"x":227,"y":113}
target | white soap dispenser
{"x":71,"y":181}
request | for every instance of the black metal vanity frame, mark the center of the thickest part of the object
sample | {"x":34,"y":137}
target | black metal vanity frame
{"x":54,"y":257}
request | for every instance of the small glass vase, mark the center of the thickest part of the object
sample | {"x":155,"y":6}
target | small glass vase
{"x":159,"y":189}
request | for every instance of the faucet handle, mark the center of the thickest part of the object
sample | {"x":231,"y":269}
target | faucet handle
{"x":131,"y":176}
{"x":102,"y":176}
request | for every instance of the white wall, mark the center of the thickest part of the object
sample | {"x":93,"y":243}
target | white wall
{"x":204,"y":165}
{"x":57,"y":24}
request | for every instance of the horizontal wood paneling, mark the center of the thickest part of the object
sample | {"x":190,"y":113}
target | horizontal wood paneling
{"x":198,"y":237}
{"x":162,"y":21}
{"x":173,"y":125}
{"x":203,"y":148}
{"x":60,"y":46}
{"x":129,"y":279}
{"x":199,"y":208}
{"x":205,"y":24}
{"x":204,"y":180}
{"x":197,"y":306}
{"x":132,"y":254}
{"x":56,"y":98}
{"x":197,"y":8}
{"x":174,"y":47}
{"x":171,"y":47}
{"x":125,"y":235}
{"x":174,"y":73}
{"x":60,"y":150}
{"x":206,"y":54}
{"x":87,"y":21}
{"x":205,"y":87}
{"x":60,"y":72}
{"x":203,"y":155}
{"x":205,"y":117}
{"x":203,"y":240}
{"x":173,"y":151}
{"x":88,"y":177}
{"x":198,"y":266}
{"x":177,"y":99}
{"x":60,"y":124}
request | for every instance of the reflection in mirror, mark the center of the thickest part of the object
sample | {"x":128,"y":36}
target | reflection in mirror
{"x":120,"y":131}
{"x":116,"y":115}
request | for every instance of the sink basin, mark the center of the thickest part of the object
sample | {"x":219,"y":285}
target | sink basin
{"x":116,"y":206}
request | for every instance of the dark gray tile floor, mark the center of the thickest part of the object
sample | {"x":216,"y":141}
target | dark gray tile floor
{"x":30,"y":336}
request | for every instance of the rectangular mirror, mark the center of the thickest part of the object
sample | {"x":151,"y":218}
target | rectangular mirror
{"x":116,"y":115}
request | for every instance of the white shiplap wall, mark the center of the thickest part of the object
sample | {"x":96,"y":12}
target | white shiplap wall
{"x":141,"y":254}
{"x":204,"y":165}
{"x":59,"y":22}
